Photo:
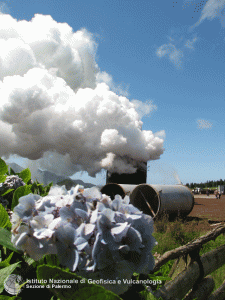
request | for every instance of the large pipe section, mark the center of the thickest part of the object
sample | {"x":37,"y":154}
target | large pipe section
{"x":154,"y":199}
{"x":113,"y":189}
{"x":157,"y":199}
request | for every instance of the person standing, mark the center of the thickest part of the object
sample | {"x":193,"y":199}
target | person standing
{"x":216,"y":194}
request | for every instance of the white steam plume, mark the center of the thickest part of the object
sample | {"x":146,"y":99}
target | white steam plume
{"x":53,"y":108}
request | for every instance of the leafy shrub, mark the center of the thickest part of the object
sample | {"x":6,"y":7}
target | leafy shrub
{"x":14,"y":185}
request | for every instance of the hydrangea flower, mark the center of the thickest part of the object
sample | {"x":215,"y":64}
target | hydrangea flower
{"x":13,"y":182}
{"x":92,"y":235}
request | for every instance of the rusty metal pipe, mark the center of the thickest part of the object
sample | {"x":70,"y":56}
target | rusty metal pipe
{"x":112,"y":189}
{"x":157,"y":199}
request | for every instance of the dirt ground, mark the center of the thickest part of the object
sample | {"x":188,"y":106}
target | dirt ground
{"x":209,"y":207}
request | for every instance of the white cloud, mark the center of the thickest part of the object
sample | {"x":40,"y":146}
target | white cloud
{"x":144,"y":108}
{"x":213,"y":9}
{"x":175,"y":55}
{"x":189,"y":44}
{"x":57,"y":108}
{"x":204,"y":124}
{"x":119,"y":89}
{"x":178,"y":48}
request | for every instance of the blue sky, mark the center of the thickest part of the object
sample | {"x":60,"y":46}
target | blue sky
{"x":169,"y":54}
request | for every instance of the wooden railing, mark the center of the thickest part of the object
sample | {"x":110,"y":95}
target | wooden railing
{"x":190,"y":271}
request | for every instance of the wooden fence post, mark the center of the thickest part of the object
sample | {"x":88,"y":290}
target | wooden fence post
{"x":185,"y":281}
{"x":204,"y":289}
{"x":219,"y":294}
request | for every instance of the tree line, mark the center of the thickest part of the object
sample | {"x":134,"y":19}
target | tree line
{"x":207,"y":184}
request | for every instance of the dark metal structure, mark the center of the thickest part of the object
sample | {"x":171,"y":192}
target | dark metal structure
{"x":140,"y":176}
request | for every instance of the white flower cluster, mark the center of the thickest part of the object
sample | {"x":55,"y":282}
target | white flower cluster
{"x":12,"y":182}
{"x":91,"y":234}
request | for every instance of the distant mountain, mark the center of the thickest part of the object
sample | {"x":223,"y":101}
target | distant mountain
{"x":69,"y":183}
{"x":16,"y":168}
{"x":46,"y":177}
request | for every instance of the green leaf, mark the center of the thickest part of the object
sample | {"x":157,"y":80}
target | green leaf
{"x":25,"y":175}
{"x":4,"y":218}
{"x":2,"y":297}
{"x":7,"y":192}
{"x":6,"y":262}
{"x":3,"y":178}
{"x":29,"y":182}
{"x":38,"y":188}
{"x":34,"y":188}
{"x":78,"y":291}
{"x":23,"y":284}
{"x":5,"y":240}
{"x":47,"y":188}
{"x":155,"y":277}
{"x":21,"y":191}
{"x":52,"y":260}
{"x":3,"y":167}
{"x":11,"y":172}
{"x":4,"y":273}
{"x":29,"y":260}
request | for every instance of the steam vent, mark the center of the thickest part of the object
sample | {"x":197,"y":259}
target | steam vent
{"x":140,"y":176}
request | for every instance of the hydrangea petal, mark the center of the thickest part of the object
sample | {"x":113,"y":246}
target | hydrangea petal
{"x":101,"y":254}
{"x":43,"y":233}
{"x":106,"y":201}
{"x":41,"y":204}
{"x":28,"y":201}
{"x":120,"y":231}
{"x":66,"y":214}
{"x":22,"y":239}
{"x":100,"y":207}
{"x":66,"y":234}
{"x":116,"y":203}
{"x":57,"y":190}
{"x":129,"y":209}
{"x":109,"y":214}
{"x":81,"y":213}
{"x":74,"y":190}
{"x":119,"y":217}
{"x":103,"y":223}
{"x":94,"y":216}
{"x":133,"y":239}
{"x":78,"y":204}
{"x":85,"y":230}
{"x":80,"y":243}
{"x":126,"y":200}
{"x":92,"y":193}
{"x":55,"y":223}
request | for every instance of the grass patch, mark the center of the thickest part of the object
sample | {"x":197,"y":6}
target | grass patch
{"x":170,"y":235}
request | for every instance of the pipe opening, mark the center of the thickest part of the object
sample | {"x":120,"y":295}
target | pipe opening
{"x":146,"y":199}
{"x":113,"y":189}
